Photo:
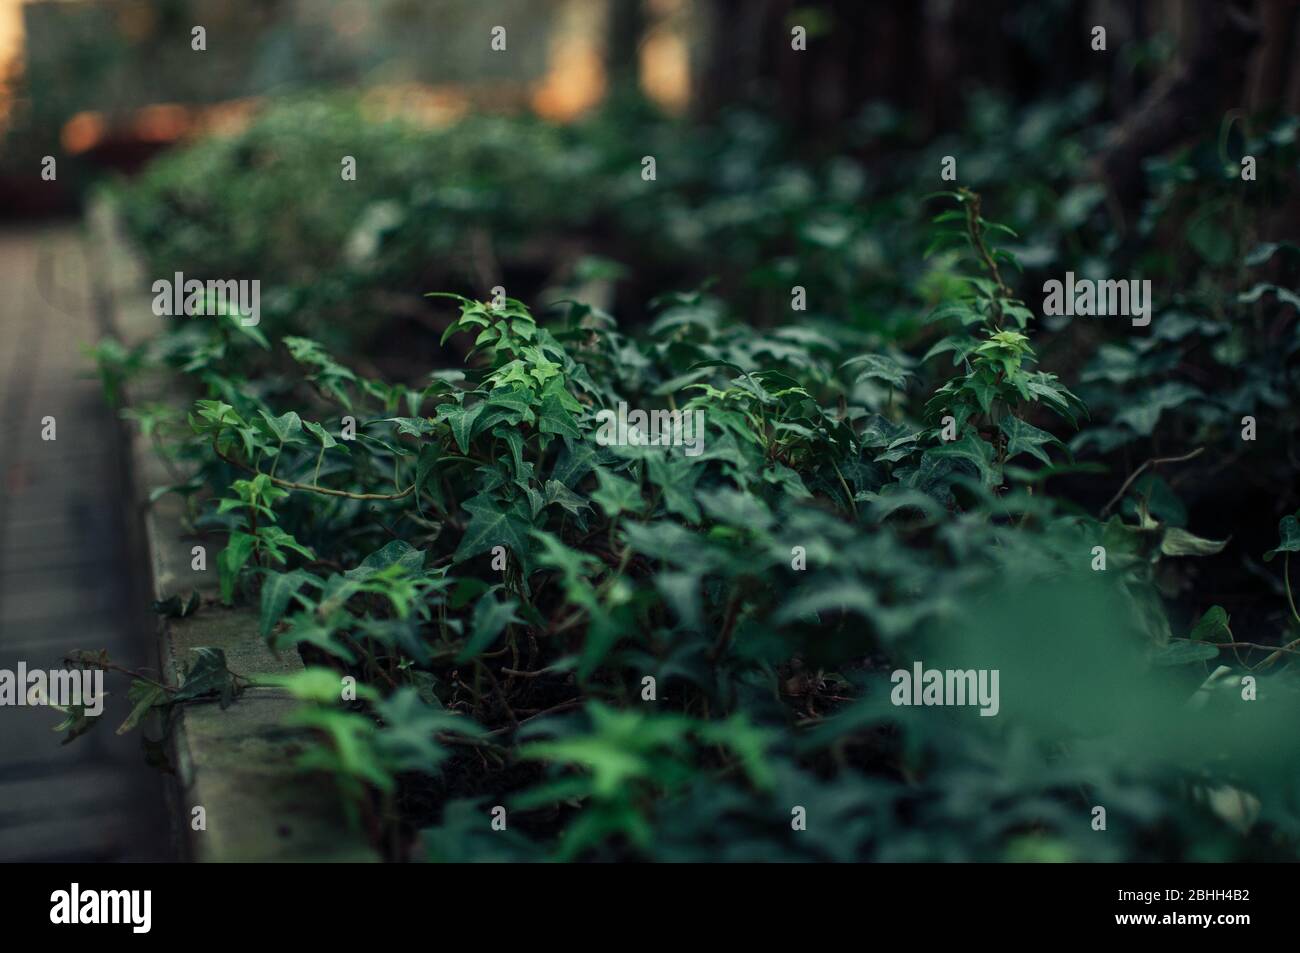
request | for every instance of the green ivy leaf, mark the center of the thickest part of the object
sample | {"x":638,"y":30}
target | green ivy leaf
{"x":397,"y":552}
{"x":554,"y":417}
{"x":1288,"y":531}
{"x":492,"y":524}
{"x":239,"y":547}
{"x":1209,"y":234}
{"x":1212,"y":627}
{"x":1183,"y":653}
{"x":306,"y":628}
{"x":878,"y":367}
{"x":278,"y":588}
{"x":1179,"y":542}
{"x":287,"y":428}
{"x":615,"y":494}
{"x":555,"y":492}
{"x":319,"y":685}
{"x":410,"y":426}
{"x":1026,"y":438}
{"x":736,"y":508}
{"x":973,"y":450}
{"x":143,"y":696}
{"x":1144,"y":415}
{"x":208,"y":675}
{"x":406,"y":742}
{"x":320,"y":433}
{"x":491,"y":616}
{"x":676,"y":478}
{"x":461,"y":422}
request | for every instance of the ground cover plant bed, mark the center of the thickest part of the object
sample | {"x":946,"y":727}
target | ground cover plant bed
{"x":887,"y":462}
{"x":680,"y":635}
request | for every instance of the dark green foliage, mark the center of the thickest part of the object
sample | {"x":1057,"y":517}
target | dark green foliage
{"x":896,"y":479}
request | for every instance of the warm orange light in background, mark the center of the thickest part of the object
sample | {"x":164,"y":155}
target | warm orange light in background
{"x":575,"y":77}
{"x":225,"y":118}
{"x":83,"y":131}
{"x":11,"y":30}
{"x":11,"y":47}
{"x":665,"y":74}
{"x":574,"y":83}
{"x":161,"y":122}
{"x":665,"y":56}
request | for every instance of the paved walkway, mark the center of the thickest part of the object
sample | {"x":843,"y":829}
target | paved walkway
{"x":66,"y":578}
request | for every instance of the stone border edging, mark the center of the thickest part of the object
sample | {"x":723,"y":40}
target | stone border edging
{"x":238,"y":763}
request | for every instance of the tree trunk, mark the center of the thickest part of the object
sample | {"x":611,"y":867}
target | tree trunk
{"x":627,"y":24}
{"x":1179,"y":106}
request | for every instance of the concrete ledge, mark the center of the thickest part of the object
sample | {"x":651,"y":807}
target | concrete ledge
{"x":237,"y":764}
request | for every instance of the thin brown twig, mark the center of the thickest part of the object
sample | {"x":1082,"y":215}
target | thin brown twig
{"x":501,"y":696}
{"x":563,"y":706}
{"x":520,"y":673}
{"x":81,"y":658}
{"x":1153,"y":462}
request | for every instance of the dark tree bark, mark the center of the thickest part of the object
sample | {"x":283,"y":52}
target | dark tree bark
{"x":1178,"y":107}
{"x":1275,"y":62}
{"x":729,"y":71}
{"x":627,"y":24}
{"x":855,"y":52}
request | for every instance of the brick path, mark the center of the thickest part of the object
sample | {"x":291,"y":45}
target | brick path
{"x":67,"y":579}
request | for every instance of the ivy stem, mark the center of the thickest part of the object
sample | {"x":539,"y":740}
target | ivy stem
{"x":106,"y":665}
{"x":1286,"y":578}
{"x":852,"y":505}
{"x":975,"y":233}
{"x":290,"y":485}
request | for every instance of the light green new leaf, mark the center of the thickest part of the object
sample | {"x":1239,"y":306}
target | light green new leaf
{"x":232,"y":559}
{"x":287,"y":428}
{"x":320,"y":433}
